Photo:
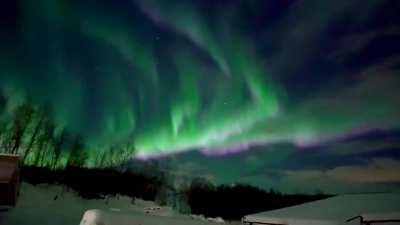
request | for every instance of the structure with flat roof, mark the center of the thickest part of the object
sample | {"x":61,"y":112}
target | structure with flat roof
{"x":352,"y":209}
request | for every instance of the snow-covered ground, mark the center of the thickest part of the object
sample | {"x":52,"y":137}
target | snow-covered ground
{"x":52,"y":205}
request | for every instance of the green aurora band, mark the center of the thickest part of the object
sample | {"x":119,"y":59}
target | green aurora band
{"x":103,"y":77}
{"x":159,"y":79}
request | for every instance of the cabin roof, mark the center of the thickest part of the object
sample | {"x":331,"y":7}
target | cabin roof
{"x":338,"y":208}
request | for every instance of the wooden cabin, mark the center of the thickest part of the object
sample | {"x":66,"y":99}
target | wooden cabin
{"x":9,"y":179}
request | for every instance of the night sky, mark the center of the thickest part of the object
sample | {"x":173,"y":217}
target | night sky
{"x":295,"y":95}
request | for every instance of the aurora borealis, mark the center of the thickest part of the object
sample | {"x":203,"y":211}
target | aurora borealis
{"x":123,"y":86}
{"x":211,"y":81}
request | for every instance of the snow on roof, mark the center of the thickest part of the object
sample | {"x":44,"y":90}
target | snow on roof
{"x":287,"y":221}
{"x":332,"y":210}
{"x":382,"y":216}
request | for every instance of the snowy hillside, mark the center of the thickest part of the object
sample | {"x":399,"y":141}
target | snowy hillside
{"x":54,"y":205}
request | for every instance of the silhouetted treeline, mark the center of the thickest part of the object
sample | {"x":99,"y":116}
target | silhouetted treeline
{"x":31,"y":132}
{"x":236,"y":201}
{"x":96,"y":183}
{"x":200,"y":197}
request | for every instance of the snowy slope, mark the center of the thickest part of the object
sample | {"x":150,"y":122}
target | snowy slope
{"x":95,"y":217}
{"x":37,"y":206}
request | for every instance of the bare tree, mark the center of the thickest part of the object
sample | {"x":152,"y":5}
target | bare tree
{"x":58,"y":146}
{"x":77,"y":156}
{"x":43,"y":141}
{"x":21,"y":121}
{"x":33,"y":136}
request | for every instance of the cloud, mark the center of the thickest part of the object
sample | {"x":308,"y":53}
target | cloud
{"x":363,"y":146}
{"x":309,"y":22}
{"x":352,"y":44}
{"x":379,"y":170}
{"x":332,"y":114}
{"x":377,"y":175}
